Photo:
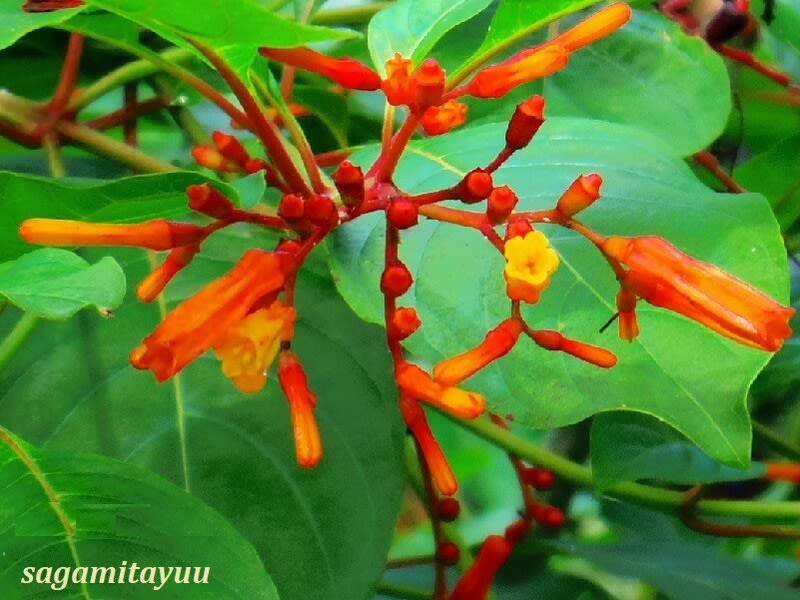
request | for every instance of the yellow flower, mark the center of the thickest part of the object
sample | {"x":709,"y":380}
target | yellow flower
{"x":531,"y":263}
{"x":248,"y":348}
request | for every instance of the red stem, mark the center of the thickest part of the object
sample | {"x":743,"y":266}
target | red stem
{"x":263,"y":127}
{"x":710,"y":162}
{"x":69,"y":76}
{"x":386,"y":164}
{"x":747,"y":58}
{"x":131,"y":93}
{"x":125,"y":115}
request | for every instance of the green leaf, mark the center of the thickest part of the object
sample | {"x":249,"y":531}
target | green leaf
{"x":627,"y":446}
{"x":654,"y":547}
{"x":412,"y":27}
{"x":55,"y":284}
{"x":251,"y":189}
{"x":64,"y":513}
{"x":234,"y":30}
{"x":130,"y":199}
{"x":651,"y":75}
{"x":517,"y":19}
{"x":321,"y":533}
{"x":776,"y":174}
{"x":460,"y":292}
{"x":17,"y":22}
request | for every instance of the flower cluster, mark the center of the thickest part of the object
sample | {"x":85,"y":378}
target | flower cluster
{"x":247,"y":316}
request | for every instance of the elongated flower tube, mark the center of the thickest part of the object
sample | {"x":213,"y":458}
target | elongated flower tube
{"x":302,"y":401}
{"x":498,"y":342}
{"x":595,"y":27}
{"x":441,"y":472}
{"x":476,"y":581}
{"x":581,"y":194}
{"x":553,"y":340}
{"x":152,"y":285}
{"x":159,"y":234}
{"x":418,"y":384}
{"x":664,"y":276}
{"x":248,"y":348}
{"x":347,"y":72}
{"x":438,"y":120}
{"x":531,"y":263}
{"x":199,"y":322}
{"x":534,"y":63}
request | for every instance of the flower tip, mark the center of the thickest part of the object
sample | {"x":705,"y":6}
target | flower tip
{"x":595,"y":27}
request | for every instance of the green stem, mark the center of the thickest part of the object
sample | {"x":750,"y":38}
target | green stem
{"x":106,"y":146}
{"x":635,"y":492}
{"x":351,"y":15}
{"x":776,"y":442}
{"x":55,"y":161}
{"x":397,"y":590}
{"x":17,"y":337}
{"x":183,"y":116}
{"x":132,"y":71}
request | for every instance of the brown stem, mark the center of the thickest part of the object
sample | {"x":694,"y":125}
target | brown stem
{"x":130,"y":93}
{"x":711,"y":164}
{"x":128,"y":114}
{"x":688,"y":514}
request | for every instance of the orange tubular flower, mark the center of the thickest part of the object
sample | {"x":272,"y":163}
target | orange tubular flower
{"x":626,"y":311}
{"x":553,"y":340}
{"x":398,"y":85}
{"x":443,"y":119}
{"x":595,"y":27}
{"x":248,"y":347}
{"x":302,"y":401}
{"x":476,"y":581}
{"x":155,"y":235}
{"x":417,"y":383}
{"x":200,"y":322}
{"x":347,"y":72}
{"x":498,"y":342}
{"x":581,"y":194}
{"x":152,"y":285}
{"x":783,"y":472}
{"x":664,"y":276}
{"x":531,"y":263}
{"x":441,"y":472}
{"x":534,"y":63}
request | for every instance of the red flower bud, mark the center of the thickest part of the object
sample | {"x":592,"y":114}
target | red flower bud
{"x":476,"y":186}
{"x":302,"y":402}
{"x":552,"y":517}
{"x":230,"y":147}
{"x":534,"y":63}
{"x":396,"y":280}
{"x":448,"y":509}
{"x":349,"y":181}
{"x":595,"y":27}
{"x":515,"y":532}
{"x":476,"y":581}
{"x":321,"y":210}
{"x":437,"y":120}
{"x":525,"y":122}
{"x":428,"y":84}
{"x":501,"y":204}
{"x":580,"y":194}
{"x":347,"y":72}
{"x":448,"y":554}
{"x":538,"y":477}
{"x":210,"y":158}
{"x":783,"y":472}
{"x":405,"y":321}
{"x":205,"y":198}
{"x":517,"y":228}
{"x":498,"y":342}
{"x":402,"y":213}
{"x":398,"y":85}
{"x":292,"y":207}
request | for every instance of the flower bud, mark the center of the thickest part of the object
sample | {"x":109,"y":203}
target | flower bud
{"x":476,"y":186}
{"x":501,"y":204}
{"x":230,"y":147}
{"x":580,"y":194}
{"x":525,"y":122}
{"x":448,"y":509}
{"x":476,"y":581}
{"x":396,"y":280}
{"x":428,"y":84}
{"x":152,"y":285}
{"x":292,"y":207}
{"x":205,"y":198}
{"x":418,"y":384}
{"x":302,"y":402}
{"x":398,"y":85}
{"x":538,"y":478}
{"x":595,"y":27}
{"x":349,"y":181}
{"x":440,"y":470}
{"x":497,"y":343}
{"x":437,"y":120}
{"x":553,"y":340}
{"x":210,"y":158}
{"x":448,"y":554}
{"x":405,"y":321}
{"x":321,"y":210}
{"x":402,"y":213}
{"x":347,"y":72}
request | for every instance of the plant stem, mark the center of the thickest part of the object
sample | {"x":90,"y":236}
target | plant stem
{"x":351,"y":15}
{"x":132,"y":71}
{"x":55,"y":161}
{"x":397,"y":590}
{"x":772,"y":439}
{"x":17,"y":336}
{"x":635,"y":492}
{"x":104,"y":145}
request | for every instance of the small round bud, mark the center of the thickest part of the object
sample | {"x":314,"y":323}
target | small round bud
{"x":448,"y":509}
{"x":321,"y":210}
{"x":291,"y":207}
{"x":448,"y":554}
{"x":405,"y":321}
{"x":476,"y":186}
{"x":502,"y":202}
{"x":539,"y":478}
{"x":581,"y":194}
{"x":517,"y":228}
{"x":552,"y":517}
{"x":396,"y":280}
{"x":402,"y":213}
{"x":428,"y":83}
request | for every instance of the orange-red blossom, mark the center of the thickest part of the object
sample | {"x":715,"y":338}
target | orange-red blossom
{"x":302,"y":402}
{"x":498,"y":342}
{"x":198,"y":323}
{"x":435,"y":459}
{"x":418,"y":384}
{"x":347,"y":72}
{"x":659,"y":273}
